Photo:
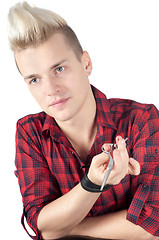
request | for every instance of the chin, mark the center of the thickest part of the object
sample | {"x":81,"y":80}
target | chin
{"x":61,"y":117}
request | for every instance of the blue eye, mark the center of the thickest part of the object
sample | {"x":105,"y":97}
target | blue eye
{"x":59,"y":69}
{"x":35,"y":80}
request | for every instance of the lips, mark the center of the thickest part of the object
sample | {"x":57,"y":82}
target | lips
{"x":59,"y":102}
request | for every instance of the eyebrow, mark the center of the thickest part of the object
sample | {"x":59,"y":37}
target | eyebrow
{"x":55,"y":65}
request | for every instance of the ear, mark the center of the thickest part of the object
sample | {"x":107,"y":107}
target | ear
{"x":87,"y":63}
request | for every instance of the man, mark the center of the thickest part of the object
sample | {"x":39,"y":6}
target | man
{"x":60,"y":166}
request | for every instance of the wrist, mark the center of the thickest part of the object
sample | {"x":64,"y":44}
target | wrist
{"x":92,"y":187}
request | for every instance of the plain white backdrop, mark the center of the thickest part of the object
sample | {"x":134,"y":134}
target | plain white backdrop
{"x":122,"y":38}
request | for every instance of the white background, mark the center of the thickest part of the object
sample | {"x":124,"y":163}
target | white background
{"x":122,"y":38}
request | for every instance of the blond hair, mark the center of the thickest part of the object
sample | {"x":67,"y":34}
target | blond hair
{"x":28,"y":26}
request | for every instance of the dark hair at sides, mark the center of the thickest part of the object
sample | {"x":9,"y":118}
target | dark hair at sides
{"x":72,"y":40}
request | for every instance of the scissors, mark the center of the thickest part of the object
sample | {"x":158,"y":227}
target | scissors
{"x":110,"y":164}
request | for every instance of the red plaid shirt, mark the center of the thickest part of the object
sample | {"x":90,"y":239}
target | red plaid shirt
{"x":48,"y":166}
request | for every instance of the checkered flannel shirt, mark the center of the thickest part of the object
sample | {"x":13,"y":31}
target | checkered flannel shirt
{"x":47,"y":166}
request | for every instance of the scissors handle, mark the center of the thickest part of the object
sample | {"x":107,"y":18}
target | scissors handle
{"x":114,"y":146}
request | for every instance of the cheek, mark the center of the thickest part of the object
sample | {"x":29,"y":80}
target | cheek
{"x":78,"y":81}
{"x":37,"y":95}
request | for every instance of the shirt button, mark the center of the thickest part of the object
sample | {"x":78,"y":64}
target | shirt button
{"x":72,"y":153}
{"x":145,"y":186}
{"x":156,"y":150}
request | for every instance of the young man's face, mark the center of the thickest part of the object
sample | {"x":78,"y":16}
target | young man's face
{"x":56,"y":78}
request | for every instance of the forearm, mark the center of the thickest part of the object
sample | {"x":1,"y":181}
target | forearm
{"x":59,"y":217}
{"x":111,"y":226}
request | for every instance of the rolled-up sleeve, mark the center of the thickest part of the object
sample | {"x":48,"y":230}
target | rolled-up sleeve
{"x":144,"y":207}
{"x":37,"y":185}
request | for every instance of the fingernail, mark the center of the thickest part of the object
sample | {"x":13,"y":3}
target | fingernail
{"x":119,"y":138}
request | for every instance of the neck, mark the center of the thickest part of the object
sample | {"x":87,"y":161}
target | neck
{"x":83,"y":126}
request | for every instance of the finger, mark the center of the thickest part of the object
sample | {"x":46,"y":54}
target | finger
{"x":134,"y":167}
{"x":120,"y":143}
{"x":106,"y":147}
{"x":103,"y":167}
{"x":116,"y":156}
{"x":100,"y":159}
{"x":121,"y":160}
{"x":122,"y":150}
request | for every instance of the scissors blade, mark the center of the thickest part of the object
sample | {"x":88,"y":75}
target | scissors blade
{"x":108,"y":170}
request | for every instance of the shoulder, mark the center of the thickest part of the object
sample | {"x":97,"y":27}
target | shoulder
{"x":32,"y":122}
{"x":32,"y":118}
{"x":132,"y":115}
{"x":127,"y":106}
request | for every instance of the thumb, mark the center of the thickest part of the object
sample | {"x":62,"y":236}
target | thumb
{"x":100,"y":159}
{"x":134,"y":167}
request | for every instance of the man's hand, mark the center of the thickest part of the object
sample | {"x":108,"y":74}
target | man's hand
{"x":122,"y":164}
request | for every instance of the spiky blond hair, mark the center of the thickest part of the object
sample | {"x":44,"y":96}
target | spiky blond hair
{"x":29,"y":26}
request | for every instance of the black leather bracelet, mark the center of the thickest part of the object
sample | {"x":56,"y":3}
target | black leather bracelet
{"x":92,"y":187}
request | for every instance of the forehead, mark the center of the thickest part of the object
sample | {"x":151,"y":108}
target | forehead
{"x":39,"y":58}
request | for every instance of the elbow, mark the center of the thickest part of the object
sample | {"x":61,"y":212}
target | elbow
{"x":52,"y":229}
{"x":50,"y":232}
{"x":50,"y":236}
{"x":54,"y":235}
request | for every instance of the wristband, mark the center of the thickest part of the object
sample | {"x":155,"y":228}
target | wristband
{"x":92,"y":187}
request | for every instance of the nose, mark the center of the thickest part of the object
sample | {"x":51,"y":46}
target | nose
{"x":51,"y":86}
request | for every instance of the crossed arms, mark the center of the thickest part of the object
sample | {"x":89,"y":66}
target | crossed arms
{"x":67,"y":215}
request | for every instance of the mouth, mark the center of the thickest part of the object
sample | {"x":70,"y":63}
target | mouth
{"x":59,"y":103}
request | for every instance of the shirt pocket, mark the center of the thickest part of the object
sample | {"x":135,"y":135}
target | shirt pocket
{"x":151,"y":155}
{"x":137,"y":203}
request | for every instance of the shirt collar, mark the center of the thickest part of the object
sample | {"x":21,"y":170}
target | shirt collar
{"x":104,"y":116}
{"x":50,"y":127}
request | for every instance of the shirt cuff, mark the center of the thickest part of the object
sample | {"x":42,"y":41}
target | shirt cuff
{"x":141,"y":213}
{"x":32,"y":223}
